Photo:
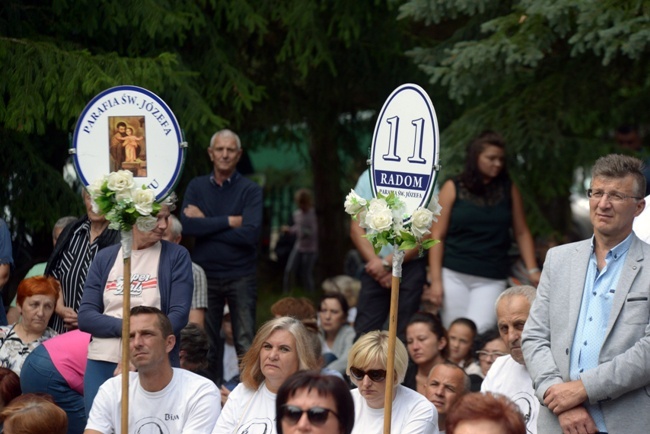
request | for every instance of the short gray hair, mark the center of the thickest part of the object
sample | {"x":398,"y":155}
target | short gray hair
{"x":467,"y":382}
{"x":524,"y":290}
{"x":63,"y":222}
{"x":620,"y":166}
{"x":226,"y":134}
{"x":175,"y":225}
{"x":170,"y":201}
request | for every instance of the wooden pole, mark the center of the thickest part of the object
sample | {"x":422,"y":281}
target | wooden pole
{"x":126,"y":327}
{"x":398,"y":257}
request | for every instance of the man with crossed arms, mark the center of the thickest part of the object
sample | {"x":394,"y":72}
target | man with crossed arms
{"x":587,"y":340}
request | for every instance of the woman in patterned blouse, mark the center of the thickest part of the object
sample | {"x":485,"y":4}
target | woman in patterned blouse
{"x":36,"y":299}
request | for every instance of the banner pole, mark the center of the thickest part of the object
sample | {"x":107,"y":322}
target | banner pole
{"x":127,"y":239}
{"x":398,"y":258}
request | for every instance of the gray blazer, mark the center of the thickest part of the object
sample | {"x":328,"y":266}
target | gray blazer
{"x":621,"y":381}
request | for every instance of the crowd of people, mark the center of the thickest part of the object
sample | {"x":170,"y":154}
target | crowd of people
{"x":567,"y":353}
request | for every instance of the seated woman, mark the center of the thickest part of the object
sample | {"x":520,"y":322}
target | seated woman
{"x":485,"y":413}
{"x":462,"y":333}
{"x":426,"y":341}
{"x":490,"y":347}
{"x":411,"y":412}
{"x":309,"y":401}
{"x":33,"y":414}
{"x":9,"y":386}
{"x":337,"y":335}
{"x":57,"y":368}
{"x":161,"y":276}
{"x":36,"y":298}
{"x":280,"y":348}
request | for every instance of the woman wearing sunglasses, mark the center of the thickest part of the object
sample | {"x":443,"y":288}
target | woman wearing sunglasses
{"x":311,"y":402}
{"x":280,"y":348}
{"x":411,"y":412}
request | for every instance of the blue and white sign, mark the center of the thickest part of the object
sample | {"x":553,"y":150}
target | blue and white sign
{"x":129,"y":128}
{"x":405,"y":147}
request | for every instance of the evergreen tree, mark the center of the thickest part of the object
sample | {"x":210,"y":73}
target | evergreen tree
{"x":556,"y":77}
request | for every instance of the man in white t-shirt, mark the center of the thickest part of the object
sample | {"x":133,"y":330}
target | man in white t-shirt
{"x":161,"y":398}
{"x":508,"y":374}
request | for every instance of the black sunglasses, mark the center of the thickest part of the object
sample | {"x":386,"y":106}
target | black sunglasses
{"x":316,"y":415}
{"x":376,"y":375}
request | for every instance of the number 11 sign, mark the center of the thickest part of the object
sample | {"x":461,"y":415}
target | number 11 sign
{"x":405,"y":147}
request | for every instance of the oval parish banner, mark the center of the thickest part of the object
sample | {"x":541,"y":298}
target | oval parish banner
{"x":129,"y":128}
{"x":405,"y":147}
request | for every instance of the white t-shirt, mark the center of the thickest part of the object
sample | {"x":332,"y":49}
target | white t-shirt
{"x":411,"y":414}
{"x":248,"y":411}
{"x":144,"y":292}
{"x":189,"y":404}
{"x":512,"y":379}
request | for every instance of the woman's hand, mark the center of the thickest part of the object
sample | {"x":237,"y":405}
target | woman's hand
{"x":433,"y":293}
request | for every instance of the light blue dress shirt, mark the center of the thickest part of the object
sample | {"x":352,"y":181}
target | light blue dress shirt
{"x":597,"y":297}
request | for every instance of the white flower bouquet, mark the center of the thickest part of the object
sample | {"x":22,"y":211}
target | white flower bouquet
{"x":122,"y":203}
{"x":384,"y":217}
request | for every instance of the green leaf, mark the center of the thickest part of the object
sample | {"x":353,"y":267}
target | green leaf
{"x":408,"y":245}
{"x":427,"y":244}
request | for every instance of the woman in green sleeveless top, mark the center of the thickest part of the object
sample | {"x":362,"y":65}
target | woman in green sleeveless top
{"x":469,"y":268}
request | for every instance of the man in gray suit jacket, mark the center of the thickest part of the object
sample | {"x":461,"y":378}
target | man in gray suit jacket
{"x":587,"y":340}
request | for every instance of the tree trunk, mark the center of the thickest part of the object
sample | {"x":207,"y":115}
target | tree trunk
{"x":333,"y":235}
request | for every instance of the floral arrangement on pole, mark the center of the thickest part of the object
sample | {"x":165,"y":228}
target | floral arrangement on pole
{"x":383,"y":219}
{"x":122,"y":203}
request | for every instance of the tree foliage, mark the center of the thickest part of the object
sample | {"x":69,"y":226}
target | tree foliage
{"x":554,"y":76}
{"x":289,"y":69}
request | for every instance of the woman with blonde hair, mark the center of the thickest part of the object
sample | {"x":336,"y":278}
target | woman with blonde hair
{"x":280,"y":348}
{"x":411,"y":412}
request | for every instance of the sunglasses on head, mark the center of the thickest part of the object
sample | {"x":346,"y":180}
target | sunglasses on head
{"x":376,"y":375}
{"x":316,"y":415}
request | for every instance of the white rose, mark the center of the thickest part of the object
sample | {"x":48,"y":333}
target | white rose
{"x":146,"y":223}
{"x":120,"y":180}
{"x":421,"y":222}
{"x":361,"y":218}
{"x":143,"y":201}
{"x":123,"y":196}
{"x":354,"y":203}
{"x":378,"y":205}
{"x":434,"y":207}
{"x":95,"y":187}
{"x":379,"y":219}
{"x":93,"y":206}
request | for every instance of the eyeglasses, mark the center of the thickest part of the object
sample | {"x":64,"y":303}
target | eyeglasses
{"x":376,"y":375}
{"x":490,"y":354}
{"x":612,"y":196}
{"x":316,"y":415}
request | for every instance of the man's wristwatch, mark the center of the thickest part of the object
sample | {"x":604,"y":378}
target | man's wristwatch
{"x":386,"y":264}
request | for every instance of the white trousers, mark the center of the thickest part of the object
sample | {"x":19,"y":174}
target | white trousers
{"x":469,"y":296}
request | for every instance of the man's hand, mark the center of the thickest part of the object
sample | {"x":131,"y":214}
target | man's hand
{"x":562,"y":397}
{"x":386,"y":281}
{"x":193,"y":211}
{"x":225,"y":393}
{"x":375,"y":268}
{"x":235,"y":221}
{"x":577,"y":421}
